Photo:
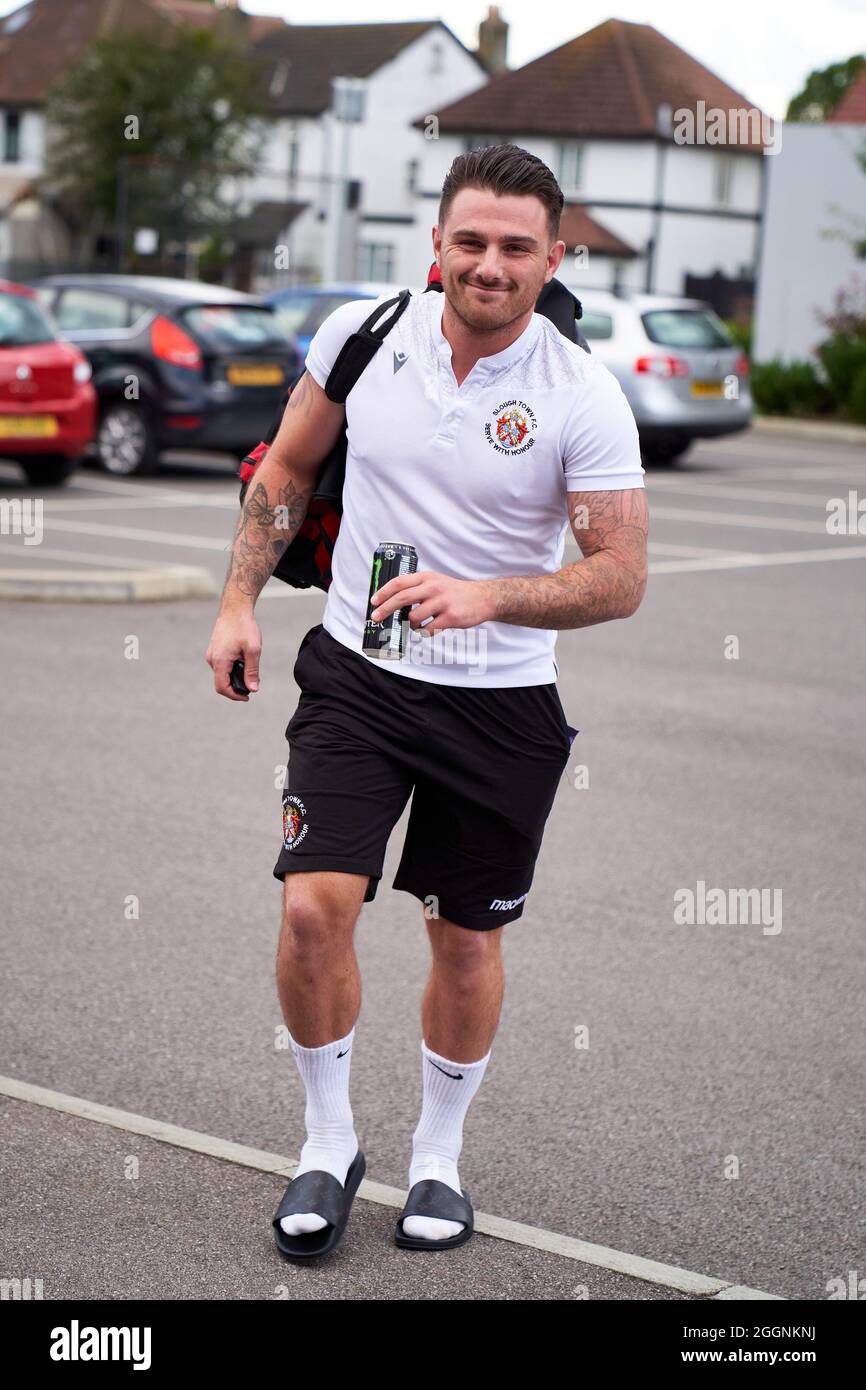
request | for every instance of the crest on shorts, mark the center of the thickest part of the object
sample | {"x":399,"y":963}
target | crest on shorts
{"x":510,"y":430}
{"x":294,"y":824}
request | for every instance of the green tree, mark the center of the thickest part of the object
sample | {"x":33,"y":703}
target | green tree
{"x":146,"y":131}
{"x":824,"y":88}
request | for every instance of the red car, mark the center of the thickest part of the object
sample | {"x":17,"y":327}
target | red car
{"x":47,"y":401}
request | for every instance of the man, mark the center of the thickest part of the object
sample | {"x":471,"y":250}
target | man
{"x":476,"y":434}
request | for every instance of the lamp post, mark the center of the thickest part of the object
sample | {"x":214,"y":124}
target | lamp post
{"x":348,"y":109}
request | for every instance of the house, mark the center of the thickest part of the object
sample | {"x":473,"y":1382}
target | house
{"x":343,"y":147}
{"x":341,"y":154}
{"x":659,"y":193}
{"x":814,"y":244}
{"x":39,"y":42}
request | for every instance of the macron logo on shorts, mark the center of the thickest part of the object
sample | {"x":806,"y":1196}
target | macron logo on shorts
{"x":505,"y":904}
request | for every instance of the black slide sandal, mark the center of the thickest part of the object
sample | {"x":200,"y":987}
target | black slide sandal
{"x":430,"y":1197}
{"x":319,"y":1192}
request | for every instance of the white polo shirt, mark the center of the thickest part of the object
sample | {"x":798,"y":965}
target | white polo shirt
{"x":475,"y":476}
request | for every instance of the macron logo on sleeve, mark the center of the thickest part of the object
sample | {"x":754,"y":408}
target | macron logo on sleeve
{"x":399,"y":359}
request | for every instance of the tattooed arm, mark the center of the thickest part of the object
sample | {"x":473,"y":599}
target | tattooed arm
{"x":273,"y":512}
{"x":610,"y":580}
{"x":276,"y":501}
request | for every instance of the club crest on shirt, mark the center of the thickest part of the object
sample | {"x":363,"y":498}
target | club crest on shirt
{"x":294,"y":825}
{"x":510,"y":428}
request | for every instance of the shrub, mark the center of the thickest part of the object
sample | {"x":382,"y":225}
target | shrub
{"x":789,"y":388}
{"x":843,"y":359}
{"x":858,"y":397}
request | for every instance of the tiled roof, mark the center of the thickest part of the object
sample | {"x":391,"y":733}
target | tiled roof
{"x":577,"y":228}
{"x":852,"y":108}
{"x":35,"y":55}
{"x":302,"y":59}
{"x":607,"y":83}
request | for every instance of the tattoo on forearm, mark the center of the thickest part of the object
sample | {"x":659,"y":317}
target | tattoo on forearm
{"x":269,"y":520}
{"x":609,"y":582}
{"x":266,"y":526}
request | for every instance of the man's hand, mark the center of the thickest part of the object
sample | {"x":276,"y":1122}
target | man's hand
{"x":447,"y":601}
{"x":236,"y":634}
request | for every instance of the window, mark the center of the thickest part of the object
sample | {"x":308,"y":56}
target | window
{"x":232,"y":326}
{"x":137,"y":311}
{"x":686,"y":328}
{"x":412,"y":175}
{"x":594,"y":325}
{"x":723,"y":177}
{"x":569,"y":157}
{"x":82,"y":309}
{"x":376,"y":260}
{"x":23,"y":322}
{"x":436,"y":56}
{"x":302,"y":312}
{"x":12,"y":137}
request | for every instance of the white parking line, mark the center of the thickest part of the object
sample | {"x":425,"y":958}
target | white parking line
{"x":817,"y":501}
{"x":567,"y":1247}
{"x":755,"y":561}
{"x":663,"y":548}
{"x":80,"y":557}
{"x":758,"y":523}
{"x":141,"y":489}
{"x":133,"y":533}
{"x":55,"y":505}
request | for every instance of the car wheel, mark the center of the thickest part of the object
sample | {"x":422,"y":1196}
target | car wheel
{"x":125,"y":441}
{"x":49,"y":470}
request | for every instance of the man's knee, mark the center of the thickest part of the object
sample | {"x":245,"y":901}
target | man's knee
{"x":461,"y":947}
{"x":320,"y":910}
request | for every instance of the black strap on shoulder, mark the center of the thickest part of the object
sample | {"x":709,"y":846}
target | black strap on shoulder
{"x":359,"y":349}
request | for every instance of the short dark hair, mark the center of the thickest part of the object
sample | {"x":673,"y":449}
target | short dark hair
{"x":504,"y":169}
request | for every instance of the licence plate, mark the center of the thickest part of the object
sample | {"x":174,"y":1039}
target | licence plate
{"x":22,"y":426}
{"x":706,"y":388}
{"x":262,"y":374}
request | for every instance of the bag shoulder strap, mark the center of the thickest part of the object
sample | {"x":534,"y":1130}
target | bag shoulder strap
{"x":356,"y":354}
{"x":359,"y":348}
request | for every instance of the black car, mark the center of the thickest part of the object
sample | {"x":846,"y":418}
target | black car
{"x":177,"y":364}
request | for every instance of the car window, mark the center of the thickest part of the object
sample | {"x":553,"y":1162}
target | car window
{"x":594,"y":325}
{"x":304,"y":314}
{"x":46,"y":294}
{"x":685,"y":328}
{"x":83,"y":308}
{"x":324,"y":305}
{"x":22,"y":322}
{"x":292,"y":313}
{"x":136,"y":310}
{"x":233,"y":326}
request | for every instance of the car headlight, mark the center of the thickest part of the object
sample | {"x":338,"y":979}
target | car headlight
{"x":82,"y":371}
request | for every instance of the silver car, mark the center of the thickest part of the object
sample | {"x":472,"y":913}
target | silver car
{"x":685,"y":377}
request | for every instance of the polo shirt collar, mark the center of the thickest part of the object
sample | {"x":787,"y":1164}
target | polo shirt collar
{"x":505,"y":358}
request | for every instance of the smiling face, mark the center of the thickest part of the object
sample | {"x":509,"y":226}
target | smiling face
{"x":495,"y":256}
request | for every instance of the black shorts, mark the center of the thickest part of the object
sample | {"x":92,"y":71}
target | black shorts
{"x":483,"y":763}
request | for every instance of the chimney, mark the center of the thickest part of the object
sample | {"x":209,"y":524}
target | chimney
{"x":493,"y":41}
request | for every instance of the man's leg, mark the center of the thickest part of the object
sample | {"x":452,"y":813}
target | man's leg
{"x":319,"y":988}
{"x":459,"y":1017}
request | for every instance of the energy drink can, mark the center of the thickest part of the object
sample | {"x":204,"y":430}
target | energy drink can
{"x":386,"y":639}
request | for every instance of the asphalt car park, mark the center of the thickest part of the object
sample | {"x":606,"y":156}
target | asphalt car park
{"x":683,"y":1096}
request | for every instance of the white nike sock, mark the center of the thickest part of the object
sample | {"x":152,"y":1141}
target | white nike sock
{"x":331,"y":1139}
{"x":448,"y":1088}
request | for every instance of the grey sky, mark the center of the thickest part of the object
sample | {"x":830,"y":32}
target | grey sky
{"x":763,"y":48}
